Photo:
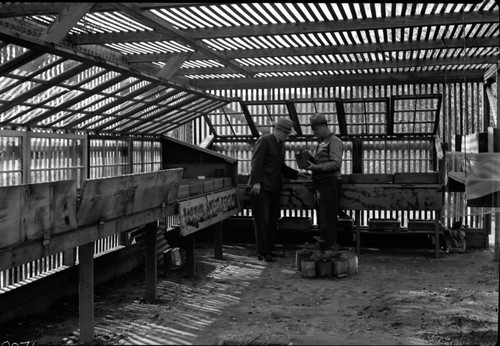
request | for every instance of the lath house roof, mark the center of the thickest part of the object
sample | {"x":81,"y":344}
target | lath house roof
{"x":148,"y":65}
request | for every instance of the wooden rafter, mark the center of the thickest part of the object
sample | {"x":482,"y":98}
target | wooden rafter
{"x":134,"y":109}
{"x":346,"y":79}
{"x":300,"y":28}
{"x":49,"y":8}
{"x":65,"y":21}
{"x":349,"y":66}
{"x":173,"y":64}
{"x":475,"y":42}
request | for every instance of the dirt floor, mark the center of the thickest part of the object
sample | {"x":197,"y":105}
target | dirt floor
{"x":402,"y":296}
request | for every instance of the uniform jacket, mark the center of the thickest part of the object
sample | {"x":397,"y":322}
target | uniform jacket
{"x":268,"y":164}
{"x":328,"y":157}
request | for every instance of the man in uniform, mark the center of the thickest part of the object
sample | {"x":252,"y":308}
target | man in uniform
{"x":326,"y":177}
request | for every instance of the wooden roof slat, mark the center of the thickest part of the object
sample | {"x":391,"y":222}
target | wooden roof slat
{"x":182,"y":115}
{"x":351,"y":65}
{"x":42,"y":87}
{"x":138,"y":107}
{"x":293,"y":28}
{"x":187,"y":100}
{"x":162,"y":26}
{"x":110,"y":105}
{"x":349,"y":79}
{"x":76,"y":99}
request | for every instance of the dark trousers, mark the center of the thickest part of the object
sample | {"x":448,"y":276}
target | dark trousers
{"x":266,"y":212}
{"x":327,"y":202}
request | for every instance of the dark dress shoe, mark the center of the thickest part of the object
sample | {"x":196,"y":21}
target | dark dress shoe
{"x":266,"y":258}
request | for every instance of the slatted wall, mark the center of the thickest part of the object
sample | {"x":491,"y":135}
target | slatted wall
{"x":461,"y":113}
{"x":36,"y":157}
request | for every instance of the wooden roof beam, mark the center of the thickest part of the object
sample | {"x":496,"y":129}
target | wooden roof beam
{"x":456,"y":76}
{"x":18,"y":9}
{"x":173,"y":64}
{"x":299,"y":28}
{"x":343,"y":49}
{"x":348,"y":66}
{"x":68,"y":17}
{"x":161,"y":25}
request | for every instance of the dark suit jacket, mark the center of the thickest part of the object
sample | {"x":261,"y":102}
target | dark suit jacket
{"x":268,"y":164}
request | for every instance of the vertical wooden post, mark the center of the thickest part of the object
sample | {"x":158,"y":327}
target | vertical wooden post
{"x":357,"y":216}
{"x":497,"y":237}
{"x":189,"y":249}
{"x":69,"y":257}
{"x":437,"y":229}
{"x":150,"y":231}
{"x":86,"y":294}
{"x":218,"y":240}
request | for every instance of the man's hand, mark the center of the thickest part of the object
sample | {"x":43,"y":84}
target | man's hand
{"x":256,"y":188}
{"x":303,"y":175}
{"x":311,"y":167}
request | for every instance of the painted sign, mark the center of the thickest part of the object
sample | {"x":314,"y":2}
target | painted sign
{"x":200,"y":212}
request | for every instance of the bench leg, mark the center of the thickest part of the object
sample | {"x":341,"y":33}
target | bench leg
{"x":189,"y":249}
{"x":218,"y":241}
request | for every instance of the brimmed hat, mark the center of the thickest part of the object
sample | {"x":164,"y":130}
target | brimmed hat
{"x":317,"y":119}
{"x":284,"y":125}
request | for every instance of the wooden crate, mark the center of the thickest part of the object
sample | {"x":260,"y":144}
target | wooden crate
{"x":295,"y":223}
{"x":228,"y":182}
{"x":384,"y":225}
{"x":476,"y":238}
{"x":421,"y":225}
{"x":416,"y":178}
{"x":345,"y":225}
{"x":208,"y":186}
{"x":361,"y":178}
{"x":183,"y":192}
{"x":218,"y":184}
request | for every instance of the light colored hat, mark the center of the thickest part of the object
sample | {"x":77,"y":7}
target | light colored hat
{"x":284,"y":125}
{"x":317,"y":119}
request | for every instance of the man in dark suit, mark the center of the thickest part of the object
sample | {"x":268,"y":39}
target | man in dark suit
{"x":268,"y":166}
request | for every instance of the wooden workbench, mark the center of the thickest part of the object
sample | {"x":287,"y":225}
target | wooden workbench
{"x":358,"y":197}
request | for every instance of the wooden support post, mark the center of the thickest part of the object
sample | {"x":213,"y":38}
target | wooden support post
{"x":437,"y":229}
{"x":218,"y":241}
{"x":151,"y":261}
{"x":357,"y":216}
{"x":189,"y":249}
{"x":86,"y":294}
{"x":497,"y":237}
{"x":69,"y":257}
{"x":123,"y":238}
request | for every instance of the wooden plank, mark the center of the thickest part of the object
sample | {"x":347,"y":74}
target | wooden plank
{"x":86,"y":292}
{"x":33,"y":250}
{"x":65,"y":21}
{"x":29,"y":211}
{"x":371,"y":178}
{"x":384,"y":225}
{"x":11,"y":205}
{"x":391,"y":197}
{"x":111,"y":198}
{"x":415,"y":178}
{"x":200,"y":212}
